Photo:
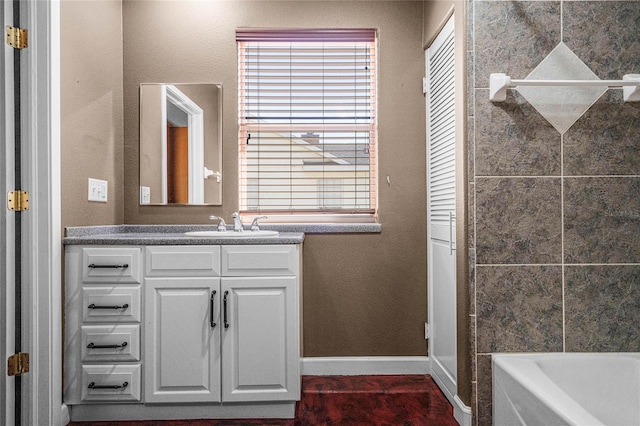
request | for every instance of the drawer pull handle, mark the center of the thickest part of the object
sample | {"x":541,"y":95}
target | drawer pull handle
{"x":123,"y":266}
{"x":94,"y":306}
{"x":224,"y":302}
{"x":93,"y":385}
{"x":94,"y":346}
{"x":211,"y":306}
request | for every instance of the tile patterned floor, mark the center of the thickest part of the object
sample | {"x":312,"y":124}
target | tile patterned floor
{"x":406,"y":400}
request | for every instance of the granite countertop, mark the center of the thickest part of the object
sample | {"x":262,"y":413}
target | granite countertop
{"x":175,"y":234}
{"x":165,"y":235}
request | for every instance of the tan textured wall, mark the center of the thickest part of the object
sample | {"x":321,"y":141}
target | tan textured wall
{"x":363,"y":294}
{"x":91,"y":110}
{"x":436,"y":14}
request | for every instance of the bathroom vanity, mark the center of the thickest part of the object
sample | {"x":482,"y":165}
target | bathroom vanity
{"x":160,"y":325}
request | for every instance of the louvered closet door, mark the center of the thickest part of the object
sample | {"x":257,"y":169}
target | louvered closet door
{"x":440,"y":67}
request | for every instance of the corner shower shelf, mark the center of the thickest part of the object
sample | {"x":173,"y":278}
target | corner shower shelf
{"x":500,"y":82}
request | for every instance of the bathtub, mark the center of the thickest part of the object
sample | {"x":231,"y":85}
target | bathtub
{"x":566,"y":389}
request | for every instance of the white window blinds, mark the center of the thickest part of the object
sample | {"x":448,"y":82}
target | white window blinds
{"x":307,"y":121}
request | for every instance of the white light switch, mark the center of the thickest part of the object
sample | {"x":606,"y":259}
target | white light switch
{"x":97,"y":190}
{"x":145,"y":195}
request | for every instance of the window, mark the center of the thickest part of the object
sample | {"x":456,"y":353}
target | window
{"x":307,"y":122}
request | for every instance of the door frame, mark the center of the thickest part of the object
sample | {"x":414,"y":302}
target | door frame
{"x":195,"y":114}
{"x":42,"y":234}
{"x":462,"y":412}
{"x":7,"y":248}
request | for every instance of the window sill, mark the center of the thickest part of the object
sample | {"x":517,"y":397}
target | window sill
{"x":325,"y":228}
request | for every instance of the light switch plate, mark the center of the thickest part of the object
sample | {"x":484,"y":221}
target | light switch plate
{"x":97,"y":190}
{"x":145,"y":195}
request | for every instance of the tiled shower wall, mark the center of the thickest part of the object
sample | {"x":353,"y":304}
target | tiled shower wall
{"x":555,"y":237}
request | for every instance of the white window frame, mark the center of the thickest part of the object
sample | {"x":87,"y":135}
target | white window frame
{"x":317,"y":214}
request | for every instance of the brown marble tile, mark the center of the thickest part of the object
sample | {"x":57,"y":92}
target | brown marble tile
{"x":519,"y":309}
{"x":518,"y":220}
{"x":513,"y":36}
{"x":602,"y":308}
{"x":472,"y":341}
{"x":513,"y":139}
{"x":471,"y":231}
{"x":471,"y":153}
{"x":604,"y":141}
{"x":470,"y":7}
{"x":472,"y":281}
{"x":471,"y":83}
{"x":604,"y":35}
{"x":474,"y":403}
{"x":602,"y":220}
{"x":484,"y":386}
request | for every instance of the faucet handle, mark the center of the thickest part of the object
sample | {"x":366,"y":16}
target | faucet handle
{"x":255,"y":226}
{"x":222,"y":226}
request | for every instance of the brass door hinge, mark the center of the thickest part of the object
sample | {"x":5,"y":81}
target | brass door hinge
{"x":18,"y":364}
{"x":17,"y":37}
{"x":18,"y":201}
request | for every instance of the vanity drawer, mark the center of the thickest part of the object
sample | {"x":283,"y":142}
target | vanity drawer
{"x":110,"y":382}
{"x":111,"y":265}
{"x":111,"y":304}
{"x":247,"y":260}
{"x":192,"y":261}
{"x":110,"y":343}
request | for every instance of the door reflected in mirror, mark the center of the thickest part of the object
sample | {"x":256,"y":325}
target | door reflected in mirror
{"x":180,"y":144}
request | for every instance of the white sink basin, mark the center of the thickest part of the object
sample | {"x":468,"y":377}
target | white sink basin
{"x":232,"y":234}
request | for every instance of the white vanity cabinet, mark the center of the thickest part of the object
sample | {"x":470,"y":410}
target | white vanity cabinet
{"x":208,"y":327}
{"x":102,"y":324}
{"x":182,"y":344}
{"x":260,"y":323}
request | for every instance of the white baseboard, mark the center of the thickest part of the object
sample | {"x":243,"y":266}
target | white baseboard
{"x":461,"y":412}
{"x":357,"y":366}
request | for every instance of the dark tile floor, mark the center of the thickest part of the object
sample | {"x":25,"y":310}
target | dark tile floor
{"x":404,"y":400}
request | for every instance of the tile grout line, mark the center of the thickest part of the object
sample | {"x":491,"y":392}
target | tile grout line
{"x":561,"y":21}
{"x":564,"y":308}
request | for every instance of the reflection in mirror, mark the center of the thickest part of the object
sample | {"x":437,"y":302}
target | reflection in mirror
{"x":181,"y":144}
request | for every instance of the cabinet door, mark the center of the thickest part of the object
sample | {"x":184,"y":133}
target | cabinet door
{"x":260,"y":340}
{"x":182,"y":355}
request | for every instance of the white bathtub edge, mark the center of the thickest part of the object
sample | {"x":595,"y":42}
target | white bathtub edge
{"x":541,"y":386}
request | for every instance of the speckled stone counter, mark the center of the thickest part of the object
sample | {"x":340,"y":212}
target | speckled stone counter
{"x":165,"y":235}
{"x":175,"y":234}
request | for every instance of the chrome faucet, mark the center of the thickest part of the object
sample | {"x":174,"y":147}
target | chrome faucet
{"x":222,"y":226}
{"x":255,"y":226}
{"x":237,"y":222}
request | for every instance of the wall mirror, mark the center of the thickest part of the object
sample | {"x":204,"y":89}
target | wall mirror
{"x":180,"y":144}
